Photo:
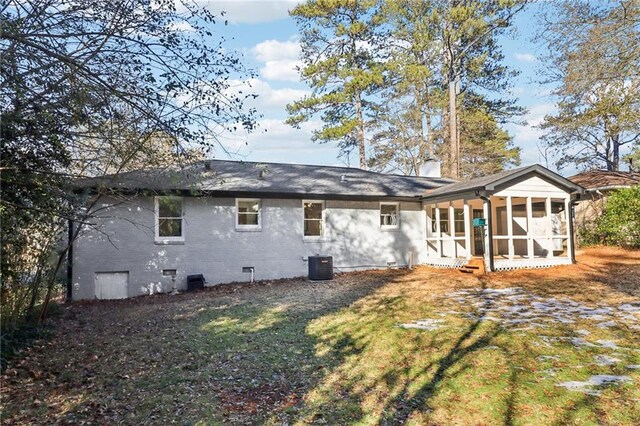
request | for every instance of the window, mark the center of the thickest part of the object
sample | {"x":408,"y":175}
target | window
{"x":458,"y":220}
{"x":248,"y":214}
{"x":313,"y":219}
{"x":444,"y":220}
{"x":389,"y":215}
{"x":169,"y":214}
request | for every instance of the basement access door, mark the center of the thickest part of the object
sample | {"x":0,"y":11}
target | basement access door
{"x":112,"y":285}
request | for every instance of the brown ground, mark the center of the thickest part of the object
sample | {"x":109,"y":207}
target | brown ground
{"x":102,"y":364}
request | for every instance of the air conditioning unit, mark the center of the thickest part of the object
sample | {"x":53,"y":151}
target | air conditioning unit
{"x":320,"y":268}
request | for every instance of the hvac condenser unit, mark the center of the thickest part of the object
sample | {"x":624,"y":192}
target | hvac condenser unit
{"x":320,"y":268}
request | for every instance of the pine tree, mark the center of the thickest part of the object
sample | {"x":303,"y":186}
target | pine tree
{"x":341,"y":65}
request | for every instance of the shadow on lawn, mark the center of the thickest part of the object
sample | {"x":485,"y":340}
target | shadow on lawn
{"x":263,"y":360}
{"x":400,"y":408}
{"x":375,"y":382}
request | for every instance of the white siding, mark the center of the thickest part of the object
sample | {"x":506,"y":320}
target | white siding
{"x":532,"y":187}
{"x":124,"y":241}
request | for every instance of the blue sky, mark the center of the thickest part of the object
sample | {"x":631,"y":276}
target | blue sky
{"x":268,"y":41}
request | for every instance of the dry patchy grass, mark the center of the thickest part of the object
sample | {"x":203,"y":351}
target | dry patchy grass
{"x":295,"y":352}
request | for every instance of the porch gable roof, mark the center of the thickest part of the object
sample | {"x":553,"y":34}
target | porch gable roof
{"x":491,"y":183}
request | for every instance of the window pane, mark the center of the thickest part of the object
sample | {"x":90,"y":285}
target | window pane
{"x":313,"y":228}
{"x":388,"y":215}
{"x":458,"y":216}
{"x":252,"y":206}
{"x":313,"y":210}
{"x":248,"y":219}
{"x":170,"y":228}
{"x":444,"y":220}
{"x":169,"y":207}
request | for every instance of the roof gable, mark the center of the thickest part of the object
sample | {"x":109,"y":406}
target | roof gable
{"x":502,"y":180}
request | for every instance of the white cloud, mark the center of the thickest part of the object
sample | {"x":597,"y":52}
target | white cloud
{"x":525,"y":57}
{"x":280,"y":58}
{"x":250,"y":11}
{"x":274,"y":50}
{"x":269,"y":100}
{"x":281,"y":70}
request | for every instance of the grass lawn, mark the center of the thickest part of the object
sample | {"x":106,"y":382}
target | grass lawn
{"x":426,"y":346}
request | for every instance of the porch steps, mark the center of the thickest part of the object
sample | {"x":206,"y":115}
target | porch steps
{"x":474,"y":266}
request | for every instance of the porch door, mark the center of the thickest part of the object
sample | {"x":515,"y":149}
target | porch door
{"x":478,"y":243}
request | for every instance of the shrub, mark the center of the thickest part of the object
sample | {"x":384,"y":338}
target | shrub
{"x":619,"y":224}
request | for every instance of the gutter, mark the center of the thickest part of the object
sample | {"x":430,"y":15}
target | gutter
{"x":572,"y":203}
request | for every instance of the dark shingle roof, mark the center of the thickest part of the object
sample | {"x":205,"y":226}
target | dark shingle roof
{"x":270,"y":179}
{"x":489,"y":183}
{"x":603,"y":179}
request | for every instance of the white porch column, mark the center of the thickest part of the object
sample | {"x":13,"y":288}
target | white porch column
{"x":550,"y":245}
{"x":529,"y":222}
{"x":438,"y":234}
{"x":567,"y":206}
{"x":467,"y":228}
{"x":510,"y":228}
{"x":427,"y":225}
{"x":452,"y":231}
{"x":485,"y":213}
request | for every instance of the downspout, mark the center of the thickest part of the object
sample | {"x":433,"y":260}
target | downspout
{"x":489,"y":230}
{"x":572,"y":205}
{"x":70,"y":261}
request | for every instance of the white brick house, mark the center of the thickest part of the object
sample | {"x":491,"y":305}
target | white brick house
{"x":151,"y":229}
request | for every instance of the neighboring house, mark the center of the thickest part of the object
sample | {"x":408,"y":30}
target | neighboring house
{"x":222,"y":218}
{"x":598,"y":185}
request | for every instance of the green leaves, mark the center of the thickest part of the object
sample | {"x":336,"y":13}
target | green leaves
{"x":619,"y":223}
{"x":342,"y":66}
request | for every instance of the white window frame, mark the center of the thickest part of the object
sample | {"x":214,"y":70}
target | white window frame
{"x":257,"y":227}
{"x":322,"y":221}
{"x":397,"y":206}
{"x":163,"y":239}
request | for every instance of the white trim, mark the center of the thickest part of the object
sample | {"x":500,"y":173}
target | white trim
{"x":323,"y":221}
{"x":438,"y":233}
{"x":530,"y":251}
{"x":156,"y":211}
{"x":510,"y":247}
{"x":567,"y":206}
{"x":542,"y":262}
{"x":395,"y":226}
{"x":467,"y":228}
{"x":547,"y":211}
{"x":257,"y":227}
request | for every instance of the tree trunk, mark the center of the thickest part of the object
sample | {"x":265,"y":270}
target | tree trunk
{"x":454,"y":147}
{"x":427,"y":113}
{"x":615,"y":146}
{"x":361,"y":146}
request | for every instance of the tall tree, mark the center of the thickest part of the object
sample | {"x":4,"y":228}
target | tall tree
{"x":71,"y":70}
{"x":440,"y":52}
{"x":593,"y":58}
{"x":340,"y":64}
{"x":471,"y":56}
{"x":485,"y":147}
{"x":405,"y":121}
